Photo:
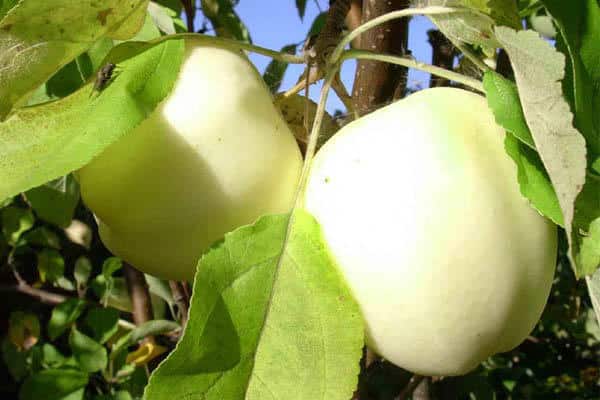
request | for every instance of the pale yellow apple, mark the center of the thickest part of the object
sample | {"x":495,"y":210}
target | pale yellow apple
{"x":215,"y":155}
{"x":421,"y":209}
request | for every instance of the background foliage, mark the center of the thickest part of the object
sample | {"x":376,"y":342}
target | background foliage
{"x":66,"y":315}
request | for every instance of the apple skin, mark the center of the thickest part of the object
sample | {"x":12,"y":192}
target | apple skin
{"x":421,"y":210}
{"x":215,"y":155}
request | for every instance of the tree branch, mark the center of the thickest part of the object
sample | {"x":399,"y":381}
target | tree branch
{"x":41,"y":295}
{"x":189,"y":7}
{"x":410,"y":388}
{"x":182,"y":299}
{"x":443,"y":56}
{"x":140,"y":295}
{"x":377,"y":83}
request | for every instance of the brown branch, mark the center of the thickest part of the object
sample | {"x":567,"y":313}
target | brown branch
{"x":41,"y":295}
{"x":189,"y":7}
{"x":353,"y":19}
{"x":377,"y":83}
{"x":443,"y":56}
{"x":137,"y":286}
{"x":182,"y":300}
{"x":410,"y":388}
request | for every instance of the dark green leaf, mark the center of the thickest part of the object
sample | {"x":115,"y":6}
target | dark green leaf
{"x":54,"y":384}
{"x":275,"y":71}
{"x":33,"y":49}
{"x":16,"y":221}
{"x":232,"y":23}
{"x":102,"y":323}
{"x":55,"y":201}
{"x":90,"y":354}
{"x":317,"y":24}
{"x":50,"y":265}
{"x":71,"y":131}
{"x":534,"y":182}
{"x":503,"y":98}
{"x":5,"y":6}
{"x":63,"y":315}
{"x":301,"y":6}
{"x":82,"y":271}
{"x":15,"y":360}
{"x":249,"y":336}
{"x":579,"y":25}
{"x":42,"y":237}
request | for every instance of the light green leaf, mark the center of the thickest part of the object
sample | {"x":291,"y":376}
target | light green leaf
{"x":152,"y":328}
{"x":102,"y":323}
{"x":38,"y":37}
{"x":50,"y":265}
{"x":41,"y":143}
{"x":55,"y":201}
{"x":63,"y":315}
{"x":15,"y":221}
{"x":473,"y":26}
{"x":54,"y":384}
{"x":110,"y":266}
{"x":270,"y":318}
{"x":539,"y":69}
{"x":593,"y":285}
{"x":51,"y":357}
{"x":162,"y":18}
{"x":90,"y":354}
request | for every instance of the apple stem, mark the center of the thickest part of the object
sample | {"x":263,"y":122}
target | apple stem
{"x":412,"y":63}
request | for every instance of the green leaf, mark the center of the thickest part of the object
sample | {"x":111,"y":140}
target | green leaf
{"x":269,"y":312}
{"x":539,"y":69}
{"x":50,"y":265}
{"x":102,"y":323}
{"x":586,"y":231}
{"x":475,"y":27}
{"x":110,"y":266}
{"x":55,"y":201}
{"x":503,"y":98}
{"x":120,"y":395}
{"x":54,"y":384}
{"x":317,"y":25}
{"x":82,"y":271}
{"x":63,"y":315}
{"x":301,"y":6}
{"x":5,"y":6}
{"x":51,"y":357}
{"x":162,"y":18}
{"x":152,"y":328}
{"x":275,"y":71}
{"x":90,"y":354}
{"x":15,"y":360}
{"x":533,"y":179}
{"x":16,"y":221}
{"x":42,"y":237}
{"x":160,"y":288}
{"x":71,"y":131}
{"x":593,"y":285}
{"x":579,"y":25}
{"x":39,"y":36}
{"x":505,"y":12}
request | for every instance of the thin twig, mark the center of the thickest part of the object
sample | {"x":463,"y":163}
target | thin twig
{"x":139,"y":293}
{"x":190,"y":13}
{"x":412,"y":63}
{"x":415,"y":380}
{"x":38,"y":294}
{"x":181,"y":299}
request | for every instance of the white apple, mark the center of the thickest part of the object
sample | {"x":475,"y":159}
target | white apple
{"x":421,"y":209}
{"x":214,"y":155}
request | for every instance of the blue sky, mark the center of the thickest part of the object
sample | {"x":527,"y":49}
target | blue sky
{"x":275,"y":23}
